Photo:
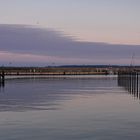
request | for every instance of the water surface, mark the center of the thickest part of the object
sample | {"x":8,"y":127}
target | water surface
{"x":68,"y":108}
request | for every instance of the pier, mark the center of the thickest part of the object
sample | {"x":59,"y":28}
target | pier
{"x":128,"y":78}
{"x":17,"y":71}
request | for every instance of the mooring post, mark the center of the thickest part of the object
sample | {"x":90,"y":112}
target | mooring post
{"x":137,"y":84}
{"x":130,"y":82}
{"x":2,"y":78}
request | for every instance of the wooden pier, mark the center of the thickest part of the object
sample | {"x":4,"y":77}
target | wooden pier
{"x":130,"y":80}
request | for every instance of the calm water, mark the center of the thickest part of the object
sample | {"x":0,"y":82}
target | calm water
{"x":68,"y":109}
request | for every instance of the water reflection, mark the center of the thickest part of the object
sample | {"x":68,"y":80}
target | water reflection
{"x":2,"y":85}
{"x":131,"y":83}
{"x":49,"y":94}
{"x":79,"y":109}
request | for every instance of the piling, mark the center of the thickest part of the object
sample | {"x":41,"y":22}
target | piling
{"x":2,"y":78}
{"x":129,"y":80}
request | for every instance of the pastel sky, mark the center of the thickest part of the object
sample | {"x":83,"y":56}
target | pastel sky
{"x":46,"y":32}
{"x":111,"y":21}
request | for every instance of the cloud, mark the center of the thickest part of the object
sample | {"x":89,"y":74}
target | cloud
{"x":30,"y":44}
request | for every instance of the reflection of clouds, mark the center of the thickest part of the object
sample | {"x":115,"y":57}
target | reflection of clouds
{"x":49,"y":94}
{"x":29,"y":44}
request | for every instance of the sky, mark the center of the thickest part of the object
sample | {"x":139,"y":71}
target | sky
{"x":81,"y":22}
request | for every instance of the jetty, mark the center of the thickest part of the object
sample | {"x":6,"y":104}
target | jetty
{"x":15,"y":71}
{"x":128,"y":77}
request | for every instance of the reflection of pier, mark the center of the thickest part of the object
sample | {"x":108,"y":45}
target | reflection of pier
{"x":130,"y":81}
{"x":2,"y":79}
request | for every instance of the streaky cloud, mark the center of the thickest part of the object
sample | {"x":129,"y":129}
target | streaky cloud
{"x":47,"y":45}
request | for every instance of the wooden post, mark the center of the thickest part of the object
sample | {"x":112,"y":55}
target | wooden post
{"x":137,"y":84}
{"x":2,"y":78}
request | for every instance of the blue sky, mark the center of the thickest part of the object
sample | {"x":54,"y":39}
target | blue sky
{"x":92,"y":31}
